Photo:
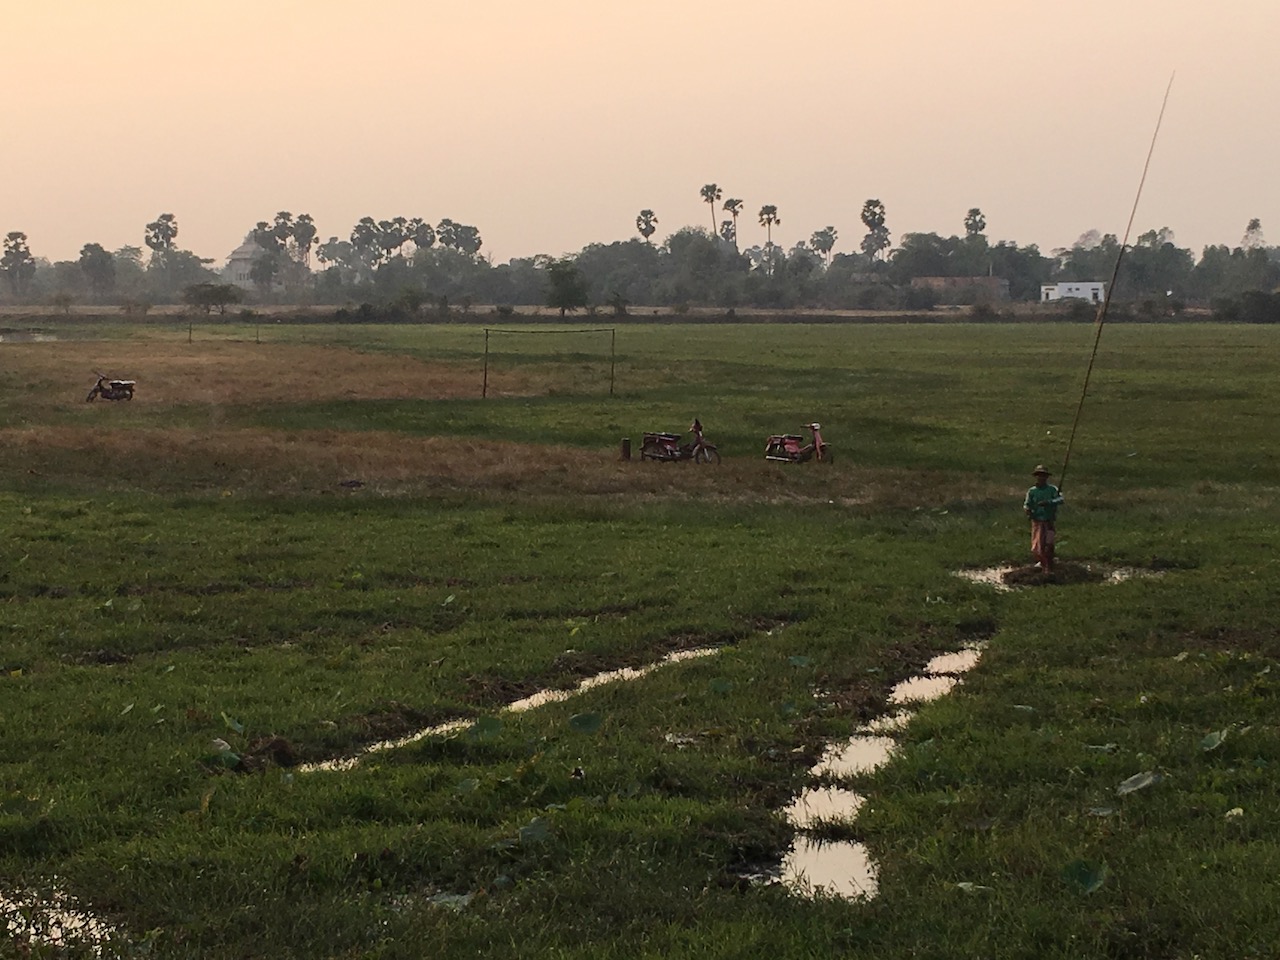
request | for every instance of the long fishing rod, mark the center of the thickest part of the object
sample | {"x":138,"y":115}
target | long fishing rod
{"x":1101,"y":318}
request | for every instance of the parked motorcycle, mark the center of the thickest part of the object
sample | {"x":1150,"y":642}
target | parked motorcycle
{"x":667,"y":447}
{"x":109,"y":389}
{"x":791,"y":448}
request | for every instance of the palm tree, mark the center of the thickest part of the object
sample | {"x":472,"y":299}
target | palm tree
{"x":768,"y":217}
{"x":646,"y":223}
{"x":974,"y":222}
{"x":733,"y":207}
{"x":710,"y":194}
{"x":824,"y":242}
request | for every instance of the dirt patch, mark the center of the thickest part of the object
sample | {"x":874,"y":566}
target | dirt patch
{"x":1064,"y":572}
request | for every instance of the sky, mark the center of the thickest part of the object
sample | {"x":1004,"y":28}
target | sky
{"x":549,"y":124}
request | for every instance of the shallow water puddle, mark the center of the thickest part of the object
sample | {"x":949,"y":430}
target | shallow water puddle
{"x":998,"y":577}
{"x":991,"y":577}
{"x":53,"y":920}
{"x":518,"y":706}
{"x":922,"y":688}
{"x":961,"y":661}
{"x":814,"y":867}
{"x":838,"y":869}
{"x":857,"y":755}
{"x":818,"y":804}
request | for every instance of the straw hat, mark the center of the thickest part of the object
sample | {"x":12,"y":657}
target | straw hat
{"x":1041,"y":471}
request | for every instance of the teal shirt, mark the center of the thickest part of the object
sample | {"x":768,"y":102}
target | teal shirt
{"x":1043,"y":502}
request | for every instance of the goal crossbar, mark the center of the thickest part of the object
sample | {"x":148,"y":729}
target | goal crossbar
{"x":613,"y":351}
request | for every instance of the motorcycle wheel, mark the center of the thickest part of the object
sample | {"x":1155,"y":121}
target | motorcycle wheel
{"x":826,"y":456}
{"x":775,"y":450}
{"x":707,"y":455}
{"x":92,"y":393}
{"x":651,"y":451}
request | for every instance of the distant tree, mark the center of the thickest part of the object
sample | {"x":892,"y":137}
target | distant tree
{"x":366,"y":242}
{"x":729,"y":232}
{"x":974,"y":222}
{"x":263,"y":273}
{"x":392,"y":235}
{"x":566,"y":287}
{"x":304,"y":237}
{"x":63,"y":301}
{"x":210,"y":296}
{"x":769,"y":217}
{"x":458,"y":236}
{"x":18,"y":264}
{"x":1253,"y":239}
{"x":99,"y":268}
{"x":824,"y":241}
{"x":733,"y":206}
{"x":339,"y":253}
{"x":710,"y":194}
{"x":646,"y":223}
{"x":876,"y":240}
{"x":421,"y":234}
{"x":160,"y":235}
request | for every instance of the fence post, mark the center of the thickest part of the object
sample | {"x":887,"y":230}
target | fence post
{"x":626,"y":448}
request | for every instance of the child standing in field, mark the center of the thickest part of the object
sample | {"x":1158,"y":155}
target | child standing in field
{"x":1041,"y":506}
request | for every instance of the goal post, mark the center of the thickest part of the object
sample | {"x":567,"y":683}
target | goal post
{"x":496,"y":331}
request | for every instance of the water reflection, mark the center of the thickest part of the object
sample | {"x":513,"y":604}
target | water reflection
{"x":858,"y":755}
{"x":823,"y":804}
{"x":518,"y":706}
{"x":839,"y":869}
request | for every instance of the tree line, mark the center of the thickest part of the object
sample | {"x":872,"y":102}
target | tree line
{"x":412,"y":262}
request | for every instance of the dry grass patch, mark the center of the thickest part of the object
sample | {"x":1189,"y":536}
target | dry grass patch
{"x":258,"y":460}
{"x":228,"y":372}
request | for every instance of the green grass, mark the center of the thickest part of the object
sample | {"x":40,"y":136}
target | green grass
{"x":145,"y":615}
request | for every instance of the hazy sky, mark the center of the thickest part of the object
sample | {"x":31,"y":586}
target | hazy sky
{"x":549,"y":124}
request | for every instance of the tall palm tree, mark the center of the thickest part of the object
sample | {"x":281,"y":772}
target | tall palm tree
{"x":768,"y":217}
{"x":710,"y":194}
{"x":733,"y":207}
{"x":824,"y":242}
{"x":646,"y":223}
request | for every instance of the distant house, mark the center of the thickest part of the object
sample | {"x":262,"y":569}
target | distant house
{"x":1093,"y":290}
{"x":240,"y":262}
{"x":964,"y":289}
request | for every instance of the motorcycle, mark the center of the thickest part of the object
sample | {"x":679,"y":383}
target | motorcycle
{"x":668,"y":448}
{"x":109,"y":389}
{"x":791,"y":448}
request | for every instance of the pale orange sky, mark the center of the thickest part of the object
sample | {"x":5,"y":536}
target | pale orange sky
{"x":549,"y":124}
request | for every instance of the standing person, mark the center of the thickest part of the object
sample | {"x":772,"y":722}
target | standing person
{"x":1041,"y":505}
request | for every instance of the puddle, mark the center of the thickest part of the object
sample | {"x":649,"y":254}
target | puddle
{"x":1066,"y":572}
{"x":21,"y":336}
{"x":889,"y":723}
{"x":518,"y":706}
{"x":920,"y":689}
{"x":858,"y":755}
{"x":53,"y":920}
{"x":819,"y":804}
{"x":991,"y":577}
{"x":815,"y":867}
{"x":610,"y":676}
{"x":962,"y":661}
{"x":839,"y":869}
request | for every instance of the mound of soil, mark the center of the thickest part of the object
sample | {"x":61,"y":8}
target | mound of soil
{"x":1064,"y":572}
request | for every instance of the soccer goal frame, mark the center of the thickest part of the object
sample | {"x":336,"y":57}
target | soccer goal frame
{"x":613,"y":349}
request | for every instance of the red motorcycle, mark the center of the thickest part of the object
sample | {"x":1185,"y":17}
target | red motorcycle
{"x":791,"y":448}
{"x":667,"y":447}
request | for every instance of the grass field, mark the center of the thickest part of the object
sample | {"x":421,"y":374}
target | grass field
{"x":282,"y":552}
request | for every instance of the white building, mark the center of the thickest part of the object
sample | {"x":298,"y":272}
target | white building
{"x":1093,"y":290}
{"x":240,"y":262}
